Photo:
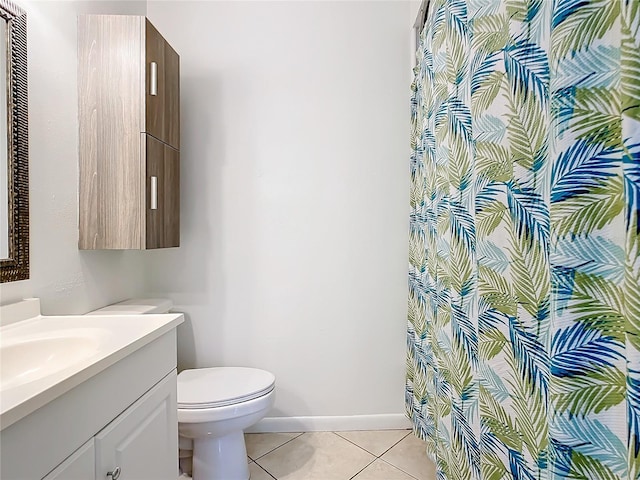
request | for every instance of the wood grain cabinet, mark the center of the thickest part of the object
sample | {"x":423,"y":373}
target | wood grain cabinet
{"x":129,"y":132}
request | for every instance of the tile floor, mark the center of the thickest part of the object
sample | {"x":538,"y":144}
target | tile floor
{"x":361,"y":455}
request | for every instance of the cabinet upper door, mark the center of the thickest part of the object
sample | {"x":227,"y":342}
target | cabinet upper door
{"x":154,"y":82}
{"x":162,"y":84}
{"x":171,"y":97}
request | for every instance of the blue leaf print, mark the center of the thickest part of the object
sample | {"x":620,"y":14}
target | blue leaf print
{"x":481,"y":8}
{"x":462,"y":225}
{"x":530,"y":354}
{"x":457,"y":16}
{"x":533,"y":10}
{"x":492,"y":256}
{"x":481,"y":68}
{"x":527,"y":69}
{"x":592,"y":438}
{"x":581,"y":168}
{"x":489,"y":129}
{"x":633,"y":410}
{"x":577,"y":350}
{"x":459,"y":118}
{"x":466,"y":436}
{"x":596,"y":67}
{"x":562,"y":9}
{"x":488,"y":194}
{"x":519,"y":468}
{"x":631,"y":165}
{"x":591,"y":255}
{"x":492,"y":382}
{"x":464,"y":332}
{"x":530,"y":214}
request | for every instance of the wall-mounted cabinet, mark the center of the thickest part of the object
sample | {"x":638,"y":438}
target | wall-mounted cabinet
{"x":129,"y":117}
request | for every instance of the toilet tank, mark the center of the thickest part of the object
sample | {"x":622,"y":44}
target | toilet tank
{"x":136,"y":306}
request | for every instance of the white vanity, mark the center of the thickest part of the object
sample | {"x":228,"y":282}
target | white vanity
{"x":87,"y":397}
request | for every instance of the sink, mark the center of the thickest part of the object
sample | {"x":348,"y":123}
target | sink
{"x":43,"y":357}
{"x":28,"y":358}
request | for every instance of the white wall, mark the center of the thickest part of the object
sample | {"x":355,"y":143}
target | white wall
{"x":295,"y":190}
{"x":67,"y":280}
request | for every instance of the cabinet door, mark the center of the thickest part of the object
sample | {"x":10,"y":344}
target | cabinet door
{"x":171,"y":187}
{"x":155,"y":82}
{"x":155,"y":187}
{"x":163,"y":195}
{"x":162,"y":88}
{"x":171,"y":97}
{"x":143,"y":440}
{"x":79,"y":466}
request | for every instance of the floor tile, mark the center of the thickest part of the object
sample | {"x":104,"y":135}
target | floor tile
{"x":381,"y":470}
{"x":410,"y":456}
{"x":375,"y":441}
{"x":259,"y":444}
{"x":258,"y":473}
{"x":316,"y":456}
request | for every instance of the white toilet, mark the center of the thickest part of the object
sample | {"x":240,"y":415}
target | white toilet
{"x":215,"y":405}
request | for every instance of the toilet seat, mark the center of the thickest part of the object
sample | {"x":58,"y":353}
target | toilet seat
{"x":205,"y":388}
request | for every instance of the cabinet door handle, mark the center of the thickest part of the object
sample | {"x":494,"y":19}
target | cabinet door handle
{"x":115,"y":474}
{"x":154,"y":193}
{"x":153,"y":81}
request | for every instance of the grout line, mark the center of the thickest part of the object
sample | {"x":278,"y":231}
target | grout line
{"x":260,"y":467}
{"x":375,"y":457}
{"x":275,"y":448}
{"x":397,"y":467}
{"x":361,"y":447}
{"x":408,"y":433}
{"x":362,"y":469}
{"x":352,"y":443}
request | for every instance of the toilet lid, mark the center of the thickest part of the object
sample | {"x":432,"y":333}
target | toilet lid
{"x":221,"y":386}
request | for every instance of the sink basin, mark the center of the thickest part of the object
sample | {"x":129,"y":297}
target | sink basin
{"x":30,"y":358}
{"x":43,"y":357}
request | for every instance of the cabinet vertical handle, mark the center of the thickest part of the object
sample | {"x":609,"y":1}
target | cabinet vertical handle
{"x":154,"y":193}
{"x":153,"y":81}
{"x":115,"y":474}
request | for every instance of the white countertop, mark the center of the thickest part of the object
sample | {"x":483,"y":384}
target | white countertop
{"x":113,"y":337}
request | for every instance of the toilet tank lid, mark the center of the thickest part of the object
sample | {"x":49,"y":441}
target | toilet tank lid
{"x":136,"y":306}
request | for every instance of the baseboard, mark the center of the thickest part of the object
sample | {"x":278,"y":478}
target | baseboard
{"x":391,"y":421}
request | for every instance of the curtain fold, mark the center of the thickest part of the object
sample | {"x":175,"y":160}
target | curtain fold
{"x":524,"y":272}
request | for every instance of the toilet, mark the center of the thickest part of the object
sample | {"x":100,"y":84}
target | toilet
{"x":215,"y":406}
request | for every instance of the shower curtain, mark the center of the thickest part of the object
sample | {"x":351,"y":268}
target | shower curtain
{"x":524,"y":301}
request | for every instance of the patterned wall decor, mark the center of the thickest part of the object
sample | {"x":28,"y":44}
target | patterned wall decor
{"x":524,"y":306}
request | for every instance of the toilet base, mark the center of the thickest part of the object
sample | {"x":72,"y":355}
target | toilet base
{"x":220,"y":458}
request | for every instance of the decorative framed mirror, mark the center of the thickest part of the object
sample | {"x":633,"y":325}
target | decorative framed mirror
{"x":14,"y":145}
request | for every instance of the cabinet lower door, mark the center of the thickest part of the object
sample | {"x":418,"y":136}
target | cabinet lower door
{"x":79,"y":466}
{"x":142,"y":442}
{"x":171,"y":232}
{"x":163,"y":194}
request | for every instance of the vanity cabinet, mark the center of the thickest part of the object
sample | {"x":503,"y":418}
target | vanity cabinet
{"x":80,"y":465}
{"x":139,"y":444}
{"x":129,"y":134}
{"x":124,"y":417}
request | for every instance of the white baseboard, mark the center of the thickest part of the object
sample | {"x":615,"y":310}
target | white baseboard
{"x":391,"y":421}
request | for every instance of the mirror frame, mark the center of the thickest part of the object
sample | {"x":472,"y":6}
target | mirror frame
{"x":16,"y":267}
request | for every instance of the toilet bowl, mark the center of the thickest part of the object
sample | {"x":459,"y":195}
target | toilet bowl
{"x":215,"y":405}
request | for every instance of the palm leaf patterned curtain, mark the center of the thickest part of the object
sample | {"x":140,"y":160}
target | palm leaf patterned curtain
{"x":524,"y":304}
